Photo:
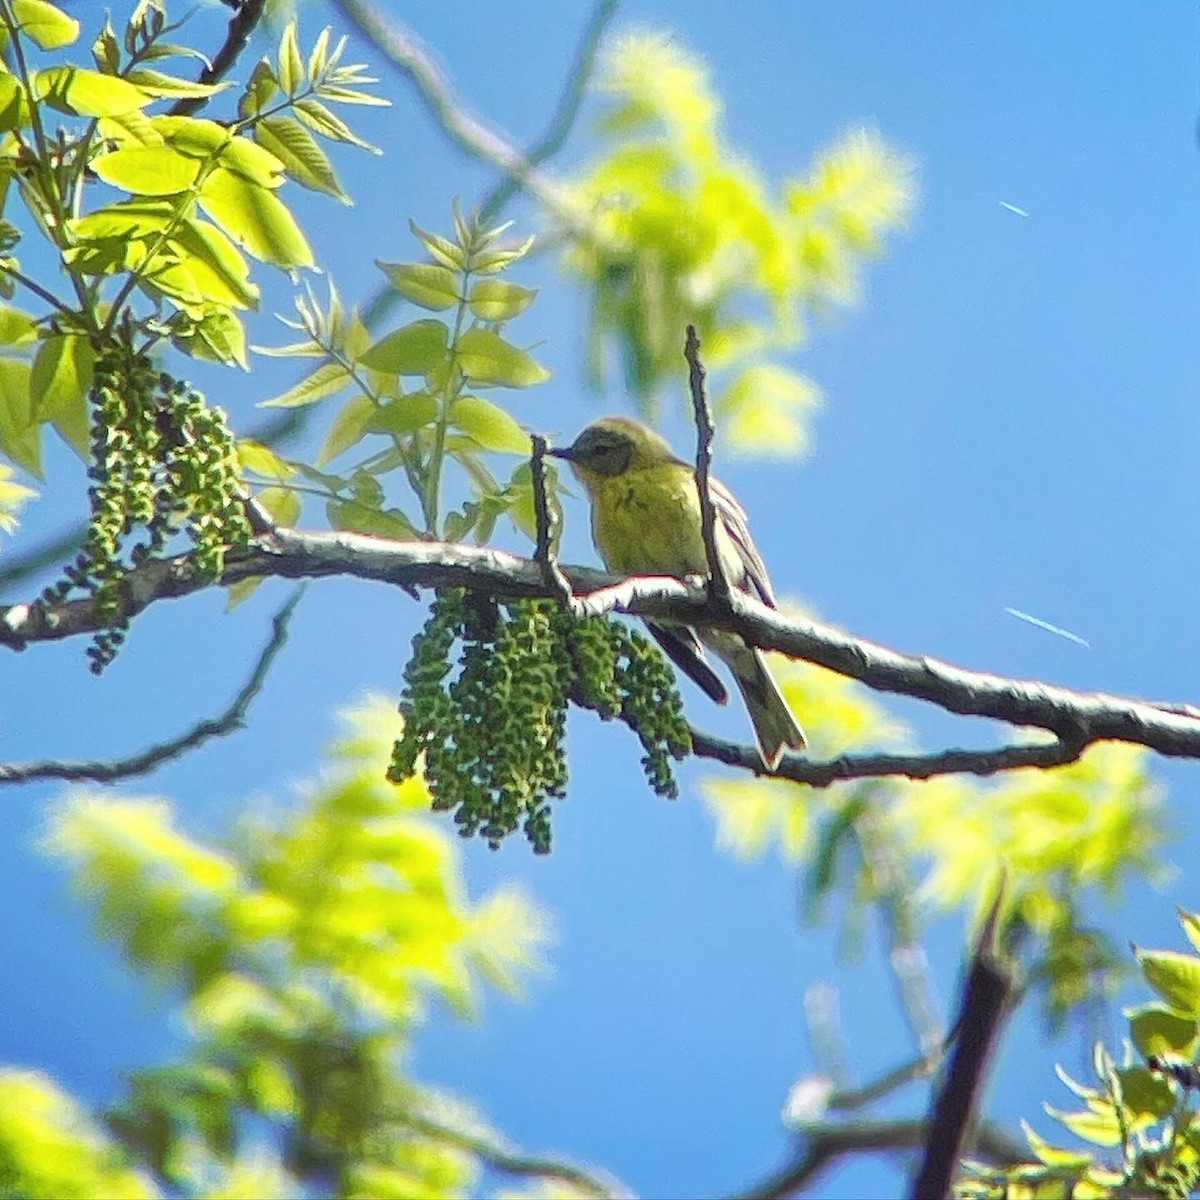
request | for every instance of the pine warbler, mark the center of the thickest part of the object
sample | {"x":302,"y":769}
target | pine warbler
{"x":646,"y":521}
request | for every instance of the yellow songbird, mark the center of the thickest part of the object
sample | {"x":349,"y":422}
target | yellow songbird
{"x":646,"y":521}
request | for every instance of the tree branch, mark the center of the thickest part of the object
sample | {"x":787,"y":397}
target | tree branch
{"x":985,"y":1003}
{"x":1076,"y":718}
{"x":508,"y":1162}
{"x":543,"y":553}
{"x":246,"y":16}
{"x":825,"y":1144}
{"x":818,"y":774}
{"x":233,"y":718}
{"x":467,"y":132}
{"x":704,"y":456}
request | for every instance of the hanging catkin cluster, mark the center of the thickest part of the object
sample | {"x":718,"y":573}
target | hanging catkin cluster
{"x":490,"y":721}
{"x":163,"y":462}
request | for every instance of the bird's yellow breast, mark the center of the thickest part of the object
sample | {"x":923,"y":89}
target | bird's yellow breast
{"x":647,"y":521}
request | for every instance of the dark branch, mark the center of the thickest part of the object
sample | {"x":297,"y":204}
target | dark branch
{"x":825,"y":1144}
{"x":1076,"y":718}
{"x":233,"y":718}
{"x":543,"y":553}
{"x":237,"y":34}
{"x":704,"y":456}
{"x":985,"y":1003}
{"x":799,"y":769}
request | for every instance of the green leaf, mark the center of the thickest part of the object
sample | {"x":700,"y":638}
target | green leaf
{"x":159,"y":84}
{"x":59,"y":381}
{"x":489,"y":425}
{"x":448,"y":253}
{"x":241,"y":591}
{"x":252,"y":162}
{"x":488,"y":360}
{"x":353,"y":517}
{"x":14,"y":103}
{"x":17,"y":328}
{"x":218,"y":336}
{"x":320,"y":120}
{"x":46,"y":26}
{"x":491,"y":262}
{"x":430,"y":285}
{"x":147,"y":170}
{"x":262,"y":460}
{"x":1145,"y":1097}
{"x":413,"y":349}
{"x":20,"y":434}
{"x":219,"y":268}
{"x":1099,"y":1128}
{"x":85,"y":93}
{"x":349,"y":427}
{"x":126,"y":220}
{"x":1158,"y":1030}
{"x":1051,"y":1156}
{"x":291,"y":64}
{"x":302,"y":157}
{"x":405,"y":414}
{"x":495,"y":300}
{"x":327,"y":379}
{"x":282,"y":504}
{"x":1175,"y":977}
{"x":1191,"y":926}
{"x":255,"y":218}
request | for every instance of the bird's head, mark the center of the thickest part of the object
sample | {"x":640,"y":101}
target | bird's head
{"x":611,"y":446}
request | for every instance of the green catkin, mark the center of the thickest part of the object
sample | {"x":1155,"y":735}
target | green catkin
{"x":491,"y":724}
{"x":162,"y":461}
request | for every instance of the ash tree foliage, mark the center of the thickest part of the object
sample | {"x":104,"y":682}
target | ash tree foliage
{"x":304,"y":950}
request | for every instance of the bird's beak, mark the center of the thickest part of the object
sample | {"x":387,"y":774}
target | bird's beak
{"x":566,"y":452}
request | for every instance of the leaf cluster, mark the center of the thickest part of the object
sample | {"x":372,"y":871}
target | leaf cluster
{"x":417,"y":387}
{"x":304,"y":952}
{"x":489,"y":728}
{"x":681,"y":229}
{"x":1142,"y":1112}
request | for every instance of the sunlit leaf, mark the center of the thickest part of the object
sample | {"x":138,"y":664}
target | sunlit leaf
{"x":328,"y":379}
{"x":349,"y":427}
{"x":489,"y":425}
{"x":20,"y":434}
{"x":59,"y":381}
{"x":86,"y":93}
{"x":1174,"y":976}
{"x":496,"y":300}
{"x":147,"y":170}
{"x":488,"y":360}
{"x":255,"y":218}
{"x":302,"y":157}
{"x":45,"y":25}
{"x":413,"y":349}
{"x":430,"y":285}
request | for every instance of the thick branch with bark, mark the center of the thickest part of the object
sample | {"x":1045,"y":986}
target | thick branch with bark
{"x":1076,"y":718}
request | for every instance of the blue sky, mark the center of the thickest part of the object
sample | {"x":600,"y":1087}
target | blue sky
{"x":1011,"y":420}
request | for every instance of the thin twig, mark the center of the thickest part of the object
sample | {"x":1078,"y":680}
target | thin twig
{"x":567,"y":110}
{"x":825,"y":1144}
{"x":543,"y":553}
{"x":508,"y":1162}
{"x":985,"y":1002}
{"x":705,"y":433}
{"x":237,"y":35}
{"x":819,"y":774}
{"x":233,"y":718}
{"x":467,"y":132}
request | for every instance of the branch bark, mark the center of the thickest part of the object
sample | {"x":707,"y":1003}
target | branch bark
{"x":1076,"y":718}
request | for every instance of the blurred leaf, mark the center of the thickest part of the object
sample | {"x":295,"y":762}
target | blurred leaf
{"x":1175,"y":977}
{"x":488,"y":360}
{"x":349,"y":427}
{"x":428,"y":284}
{"x":413,"y":349}
{"x":20,"y":435}
{"x":489,"y":425}
{"x":328,"y":379}
{"x":1159,"y":1031}
{"x":283,"y":505}
{"x":60,"y":378}
{"x":496,"y":300}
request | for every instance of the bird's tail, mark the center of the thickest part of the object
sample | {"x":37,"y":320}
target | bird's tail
{"x":774,"y":725}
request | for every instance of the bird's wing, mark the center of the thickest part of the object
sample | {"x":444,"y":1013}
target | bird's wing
{"x":732,"y":516}
{"x":683,"y":648}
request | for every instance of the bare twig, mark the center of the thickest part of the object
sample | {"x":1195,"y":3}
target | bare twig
{"x":875,"y":766}
{"x":508,"y":1162}
{"x":233,"y":718}
{"x":1077,"y":718}
{"x":467,"y":132}
{"x":704,"y":456}
{"x":543,"y":553}
{"x":985,"y":1003}
{"x":241,"y":25}
{"x":825,"y":1144}
{"x":566,"y":111}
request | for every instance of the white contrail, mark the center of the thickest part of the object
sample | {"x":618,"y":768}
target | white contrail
{"x":1071,"y":637}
